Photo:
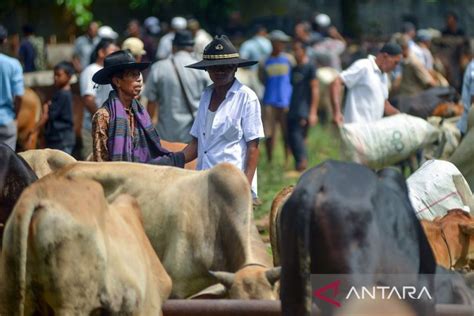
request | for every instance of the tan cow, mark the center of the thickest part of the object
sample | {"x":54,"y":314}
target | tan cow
{"x":45,"y":161}
{"x":274,"y":219}
{"x":197,"y":221}
{"x":66,"y":251}
{"x":452,"y":239}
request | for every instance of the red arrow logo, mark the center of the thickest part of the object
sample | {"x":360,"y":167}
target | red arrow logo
{"x":335,"y":287}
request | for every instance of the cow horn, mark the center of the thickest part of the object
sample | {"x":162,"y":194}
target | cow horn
{"x":273,"y":275}
{"x":226,"y":278}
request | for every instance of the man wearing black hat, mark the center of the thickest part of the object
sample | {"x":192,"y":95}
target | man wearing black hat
{"x":228,"y":124}
{"x":174,"y":91}
{"x":122,"y":128}
{"x":366,"y":81}
{"x":11,"y":92}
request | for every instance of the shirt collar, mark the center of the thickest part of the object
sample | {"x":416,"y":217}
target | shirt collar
{"x":233,"y":89}
{"x":374,"y":64}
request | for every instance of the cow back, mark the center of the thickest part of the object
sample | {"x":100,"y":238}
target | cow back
{"x":45,"y":161}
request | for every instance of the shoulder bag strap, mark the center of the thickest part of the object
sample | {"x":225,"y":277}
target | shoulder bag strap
{"x":188,"y":103}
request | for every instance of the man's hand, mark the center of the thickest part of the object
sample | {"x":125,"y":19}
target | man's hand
{"x":338,"y":118}
{"x":313,"y":120}
{"x":45,"y":111}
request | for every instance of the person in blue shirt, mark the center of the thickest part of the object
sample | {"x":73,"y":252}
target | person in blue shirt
{"x":276,"y":98}
{"x":11,"y":92}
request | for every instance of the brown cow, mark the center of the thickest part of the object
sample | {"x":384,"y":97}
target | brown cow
{"x":452,"y":239}
{"x":274,"y":221}
{"x":69,"y":252}
{"x":27,"y":117}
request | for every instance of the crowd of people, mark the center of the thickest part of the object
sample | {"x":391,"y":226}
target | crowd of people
{"x":192,"y":93}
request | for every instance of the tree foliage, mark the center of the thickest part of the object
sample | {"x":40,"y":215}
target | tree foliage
{"x":80,"y":9}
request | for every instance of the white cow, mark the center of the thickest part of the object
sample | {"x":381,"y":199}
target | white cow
{"x":197,"y":221}
{"x":67,"y":251}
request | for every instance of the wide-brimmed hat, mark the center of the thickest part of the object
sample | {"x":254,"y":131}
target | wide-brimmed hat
{"x":116,"y":62}
{"x":221,"y":52}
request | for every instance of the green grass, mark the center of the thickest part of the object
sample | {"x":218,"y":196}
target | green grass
{"x":322,"y":144}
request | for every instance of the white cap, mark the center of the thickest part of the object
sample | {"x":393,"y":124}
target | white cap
{"x":152,"y":24}
{"x":107,"y":32}
{"x":178,"y":23}
{"x":323,"y":20}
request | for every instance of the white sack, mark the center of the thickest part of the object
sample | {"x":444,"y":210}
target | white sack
{"x":437,"y":187}
{"x":386,"y":141}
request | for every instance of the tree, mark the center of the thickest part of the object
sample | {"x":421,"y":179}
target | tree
{"x":80,"y":9}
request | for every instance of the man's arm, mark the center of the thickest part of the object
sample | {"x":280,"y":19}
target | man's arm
{"x":89,"y":103}
{"x":389,"y":109}
{"x":190,"y":151}
{"x":313,"y":109}
{"x":252,"y":159}
{"x":335,"y":89}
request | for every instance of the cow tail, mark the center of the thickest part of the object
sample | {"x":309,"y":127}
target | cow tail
{"x":20,"y":245}
{"x":304,"y":222}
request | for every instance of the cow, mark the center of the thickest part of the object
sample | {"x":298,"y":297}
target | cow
{"x":197,"y":222}
{"x":274,"y":221}
{"x":45,"y":161}
{"x":68,"y":252}
{"x":343,"y":218}
{"x":29,"y":115}
{"x":15,"y":176}
{"x":452,"y":239}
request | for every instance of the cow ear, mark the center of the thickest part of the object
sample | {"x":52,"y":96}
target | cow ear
{"x":226,"y":278}
{"x":273,"y":275}
{"x":467,"y":228}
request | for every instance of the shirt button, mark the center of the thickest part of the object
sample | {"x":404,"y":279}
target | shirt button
{"x":205,"y":152}
{"x":204,"y":134}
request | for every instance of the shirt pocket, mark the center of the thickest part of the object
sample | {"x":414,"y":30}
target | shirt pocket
{"x":232,"y":131}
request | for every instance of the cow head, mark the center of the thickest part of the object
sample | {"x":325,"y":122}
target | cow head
{"x":251,"y":282}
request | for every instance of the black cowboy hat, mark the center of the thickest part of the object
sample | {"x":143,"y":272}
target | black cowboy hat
{"x":114,"y":63}
{"x":221,"y":52}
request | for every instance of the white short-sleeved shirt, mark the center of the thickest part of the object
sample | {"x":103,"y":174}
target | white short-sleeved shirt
{"x":236,"y":122}
{"x":367,"y":91}
{"x":88,"y":87}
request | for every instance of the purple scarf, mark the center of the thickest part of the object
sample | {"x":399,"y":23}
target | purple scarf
{"x":145,"y":146}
